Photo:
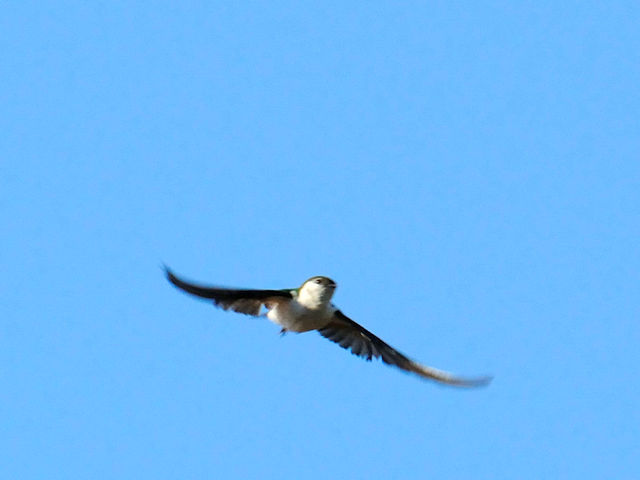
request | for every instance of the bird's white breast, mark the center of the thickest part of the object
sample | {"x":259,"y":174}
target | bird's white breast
{"x":297,"y":318}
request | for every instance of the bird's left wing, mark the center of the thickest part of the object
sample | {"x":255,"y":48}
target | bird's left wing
{"x":249,"y":302}
{"x":348,"y":334}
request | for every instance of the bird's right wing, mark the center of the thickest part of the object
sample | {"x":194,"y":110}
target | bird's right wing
{"x":249,"y":302}
{"x":348,"y":334}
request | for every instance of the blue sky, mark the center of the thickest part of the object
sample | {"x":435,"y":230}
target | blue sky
{"x":468,"y":172}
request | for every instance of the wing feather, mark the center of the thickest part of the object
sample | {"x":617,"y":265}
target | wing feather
{"x":352,"y":336}
{"x":245,"y":301}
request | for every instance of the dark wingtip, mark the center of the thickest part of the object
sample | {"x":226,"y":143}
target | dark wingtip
{"x":169,"y":274}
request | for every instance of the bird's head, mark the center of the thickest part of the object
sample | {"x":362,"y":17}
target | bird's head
{"x":316,"y":291}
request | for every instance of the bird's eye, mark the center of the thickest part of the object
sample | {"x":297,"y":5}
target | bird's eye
{"x":318,"y":280}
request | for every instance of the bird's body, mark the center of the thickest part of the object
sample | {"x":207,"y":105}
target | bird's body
{"x":309,"y":308}
{"x":295,"y":317}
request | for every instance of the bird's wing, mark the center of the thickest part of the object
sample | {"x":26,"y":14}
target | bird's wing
{"x":249,"y":302}
{"x":348,"y":334}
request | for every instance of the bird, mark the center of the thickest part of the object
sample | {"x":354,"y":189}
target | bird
{"x":308,"y":308}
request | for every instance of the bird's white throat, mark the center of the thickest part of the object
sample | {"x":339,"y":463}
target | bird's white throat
{"x":314,"y":296}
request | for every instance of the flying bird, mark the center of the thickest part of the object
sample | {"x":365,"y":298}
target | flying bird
{"x":309,"y":308}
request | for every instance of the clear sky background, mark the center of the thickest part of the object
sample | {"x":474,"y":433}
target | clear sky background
{"x":468,"y":172}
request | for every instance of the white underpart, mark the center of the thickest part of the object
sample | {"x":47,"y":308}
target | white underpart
{"x":294,"y":317}
{"x":310,"y":309}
